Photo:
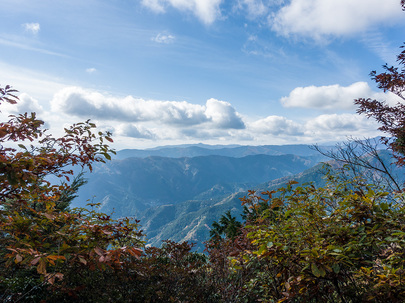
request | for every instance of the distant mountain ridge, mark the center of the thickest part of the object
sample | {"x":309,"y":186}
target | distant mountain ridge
{"x":218,"y":150}
{"x":131,"y":185}
{"x":178,"y":191}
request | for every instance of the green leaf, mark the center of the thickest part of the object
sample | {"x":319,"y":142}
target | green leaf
{"x":384,"y":206}
{"x":322,"y":271}
{"x":336,"y":268}
{"x":107,"y":156}
{"x":315,"y":270}
{"x":262,"y":249}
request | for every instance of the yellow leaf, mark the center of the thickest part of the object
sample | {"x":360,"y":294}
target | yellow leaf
{"x":41,"y":268}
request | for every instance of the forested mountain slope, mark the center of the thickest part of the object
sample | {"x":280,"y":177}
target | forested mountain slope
{"x":131,"y":185}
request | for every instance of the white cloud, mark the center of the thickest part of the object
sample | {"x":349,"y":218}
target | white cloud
{"x":215,"y":121}
{"x":323,"y":128}
{"x":320,"y":18}
{"x":276,"y":125}
{"x":32,"y":27}
{"x":223,"y":115}
{"x":155,"y":5}
{"x":25,"y":104}
{"x":344,"y":124}
{"x":333,"y":97}
{"x":163,"y":38}
{"x":254,"y":8}
{"x":206,"y":10}
{"x":91,"y":70}
{"x":85,"y":103}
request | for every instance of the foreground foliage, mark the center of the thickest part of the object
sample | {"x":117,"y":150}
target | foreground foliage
{"x":43,"y":244}
{"x":342,"y":243}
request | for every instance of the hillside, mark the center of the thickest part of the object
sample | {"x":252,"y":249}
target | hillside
{"x":191,"y":220}
{"x":132,"y":185}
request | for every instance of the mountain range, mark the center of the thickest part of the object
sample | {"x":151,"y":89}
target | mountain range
{"x":178,"y":191}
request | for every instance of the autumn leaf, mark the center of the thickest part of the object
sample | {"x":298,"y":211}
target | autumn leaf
{"x":41,"y":268}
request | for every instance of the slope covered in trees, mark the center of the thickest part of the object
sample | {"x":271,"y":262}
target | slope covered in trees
{"x":135,"y":184}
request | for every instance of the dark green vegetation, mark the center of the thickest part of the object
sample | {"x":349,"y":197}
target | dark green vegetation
{"x":341,"y":239}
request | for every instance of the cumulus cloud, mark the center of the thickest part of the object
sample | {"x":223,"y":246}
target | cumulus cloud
{"x":223,"y":115}
{"x":163,"y":38}
{"x":85,"y":103}
{"x":32,"y":27}
{"x":320,"y":18}
{"x":333,"y":97}
{"x":25,"y":104}
{"x":276,"y":125}
{"x":206,"y":10}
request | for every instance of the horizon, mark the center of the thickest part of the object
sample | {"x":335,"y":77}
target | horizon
{"x":216,"y":72}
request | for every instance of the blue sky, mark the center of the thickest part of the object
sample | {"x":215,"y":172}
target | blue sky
{"x":158,"y":72}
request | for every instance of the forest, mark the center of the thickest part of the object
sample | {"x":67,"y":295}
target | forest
{"x":343,"y":242}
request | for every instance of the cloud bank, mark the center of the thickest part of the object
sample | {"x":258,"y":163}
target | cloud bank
{"x":84,"y":103}
{"x":218,"y":121}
